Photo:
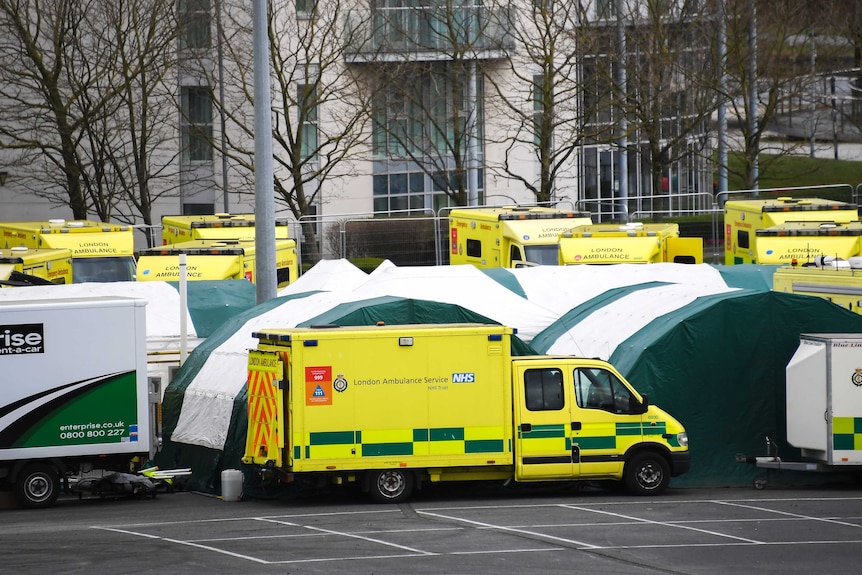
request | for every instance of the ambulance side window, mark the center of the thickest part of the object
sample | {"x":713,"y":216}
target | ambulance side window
{"x":543,"y":389}
{"x":742,"y":239}
{"x":282,"y":276}
{"x":597,"y":388}
{"x":515,"y":254}
{"x":474,"y":248}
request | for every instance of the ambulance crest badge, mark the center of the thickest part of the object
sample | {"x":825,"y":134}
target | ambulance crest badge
{"x":340,"y":384}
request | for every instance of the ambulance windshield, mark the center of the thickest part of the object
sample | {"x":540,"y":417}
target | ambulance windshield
{"x":547,"y":255}
{"x":120,"y":269}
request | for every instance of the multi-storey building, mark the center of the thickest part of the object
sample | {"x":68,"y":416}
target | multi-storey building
{"x":465,"y":103}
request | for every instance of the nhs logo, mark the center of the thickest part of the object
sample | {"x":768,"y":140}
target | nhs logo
{"x":463,"y":378}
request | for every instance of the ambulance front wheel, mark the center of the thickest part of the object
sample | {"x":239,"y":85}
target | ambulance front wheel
{"x":37,"y":485}
{"x":391,"y":485}
{"x":647,"y":473}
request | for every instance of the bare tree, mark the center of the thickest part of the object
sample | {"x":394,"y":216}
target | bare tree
{"x":320,"y":111}
{"x":139,"y":162}
{"x":844,"y":20}
{"x":668,"y":95}
{"x":428,"y":108}
{"x":769,"y":70}
{"x":537,"y":93}
{"x":82,"y":85}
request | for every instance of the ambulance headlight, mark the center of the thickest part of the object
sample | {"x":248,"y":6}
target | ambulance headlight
{"x":682,"y":439}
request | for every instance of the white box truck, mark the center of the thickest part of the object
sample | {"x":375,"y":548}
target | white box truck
{"x":75,"y":395}
{"x":823,"y":407}
{"x":824,"y":398}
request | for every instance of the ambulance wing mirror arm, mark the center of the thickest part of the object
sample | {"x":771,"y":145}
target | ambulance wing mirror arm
{"x":644,"y":404}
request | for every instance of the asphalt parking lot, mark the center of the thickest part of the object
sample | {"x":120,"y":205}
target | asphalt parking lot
{"x":565,"y":531}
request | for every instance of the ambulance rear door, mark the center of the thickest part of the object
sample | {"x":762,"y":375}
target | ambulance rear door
{"x":267,"y":413}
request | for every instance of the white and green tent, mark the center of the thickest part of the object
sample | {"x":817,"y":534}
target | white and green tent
{"x":708,"y":343}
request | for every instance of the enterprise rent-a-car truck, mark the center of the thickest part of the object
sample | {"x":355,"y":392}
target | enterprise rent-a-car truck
{"x":74,"y":396}
{"x":389,"y":408}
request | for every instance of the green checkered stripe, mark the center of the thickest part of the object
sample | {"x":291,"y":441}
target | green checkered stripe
{"x":421,"y":435}
{"x":847,"y":433}
{"x":594,"y":442}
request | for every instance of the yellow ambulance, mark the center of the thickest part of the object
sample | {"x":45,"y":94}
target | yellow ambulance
{"x":633,"y":243}
{"x":743,"y":218}
{"x":388,"y":408}
{"x":215,"y":260}
{"x":179,"y":229}
{"x":509,"y":236}
{"x":101,"y":252}
{"x":839,"y":281}
{"x":21,"y":266}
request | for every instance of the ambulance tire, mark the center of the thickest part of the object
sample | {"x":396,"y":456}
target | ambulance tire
{"x":391,"y":485}
{"x":647,"y":473}
{"x":37,"y":485}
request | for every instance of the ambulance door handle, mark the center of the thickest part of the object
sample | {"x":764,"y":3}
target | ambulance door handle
{"x":576,"y":426}
{"x":526,"y":427}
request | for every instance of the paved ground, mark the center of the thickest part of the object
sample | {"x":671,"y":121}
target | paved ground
{"x":587,"y":531}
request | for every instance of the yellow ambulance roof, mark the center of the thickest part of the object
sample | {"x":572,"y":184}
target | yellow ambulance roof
{"x":812,"y":229}
{"x":786,"y":204}
{"x":19,"y":255}
{"x":636,"y":229}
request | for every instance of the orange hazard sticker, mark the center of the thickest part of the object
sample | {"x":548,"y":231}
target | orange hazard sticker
{"x":318,"y":385}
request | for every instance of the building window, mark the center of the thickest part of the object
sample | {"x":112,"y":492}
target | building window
{"x":538,"y":107}
{"x":306,"y":109}
{"x":606,"y":9}
{"x":399,"y":192}
{"x":196,"y":20}
{"x":196,"y":124}
{"x":198,"y":209}
{"x":305,"y":8}
{"x":397,"y":124}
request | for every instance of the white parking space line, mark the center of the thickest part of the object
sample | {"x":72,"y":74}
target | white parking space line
{"x":456,"y":519}
{"x":663,"y":523}
{"x":789,"y":514}
{"x":307,"y":535}
{"x":350,"y":535}
{"x":504,"y":529}
{"x":187,"y":544}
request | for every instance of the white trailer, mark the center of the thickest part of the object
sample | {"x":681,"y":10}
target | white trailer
{"x":76,"y":394}
{"x":823,"y":406}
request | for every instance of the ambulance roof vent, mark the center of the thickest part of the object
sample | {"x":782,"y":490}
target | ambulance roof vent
{"x":56,"y":222}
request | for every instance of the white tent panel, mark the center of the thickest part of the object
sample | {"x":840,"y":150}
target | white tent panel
{"x":327,"y":275}
{"x":462,"y":285}
{"x":599,"y":334}
{"x":560,"y":288}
